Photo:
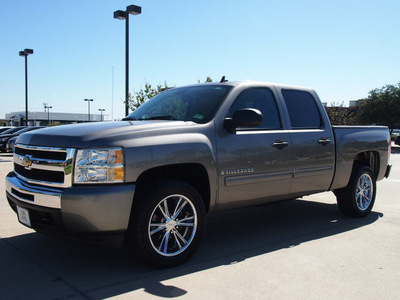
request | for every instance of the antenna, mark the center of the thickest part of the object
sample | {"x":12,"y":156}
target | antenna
{"x":223,"y":79}
{"x":112,"y":95}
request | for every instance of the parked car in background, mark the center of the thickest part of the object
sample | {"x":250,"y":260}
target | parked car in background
{"x":4,"y":138}
{"x":10,"y":144}
{"x":396,"y":132}
{"x":2,"y":129}
{"x":397,"y":140}
{"x":11,"y":130}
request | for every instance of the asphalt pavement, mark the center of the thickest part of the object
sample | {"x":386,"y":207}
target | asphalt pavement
{"x":297,"y":249}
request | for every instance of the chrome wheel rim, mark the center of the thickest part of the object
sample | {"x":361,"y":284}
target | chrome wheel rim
{"x":364,"y":192}
{"x":172,"y":225}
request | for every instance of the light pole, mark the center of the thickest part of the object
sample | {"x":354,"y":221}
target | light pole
{"x":88,"y":101}
{"x":101,"y":113}
{"x":48,"y":114}
{"x":25,"y":53}
{"x":124,"y":15}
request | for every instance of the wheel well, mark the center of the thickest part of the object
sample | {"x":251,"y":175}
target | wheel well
{"x":194,"y":174}
{"x":369,"y":158}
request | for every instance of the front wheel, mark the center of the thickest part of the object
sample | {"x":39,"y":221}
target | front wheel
{"x":358,"y":197}
{"x":167,"y":223}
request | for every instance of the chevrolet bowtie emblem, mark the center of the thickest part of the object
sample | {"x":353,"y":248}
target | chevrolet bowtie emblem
{"x":27,"y":162}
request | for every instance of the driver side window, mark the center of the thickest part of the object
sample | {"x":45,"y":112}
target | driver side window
{"x":263,"y":100}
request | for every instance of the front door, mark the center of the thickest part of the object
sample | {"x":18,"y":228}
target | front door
{"x":254,"y":163}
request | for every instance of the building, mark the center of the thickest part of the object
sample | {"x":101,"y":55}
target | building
{"x":354,"y":102}
{"x":45,"y":118}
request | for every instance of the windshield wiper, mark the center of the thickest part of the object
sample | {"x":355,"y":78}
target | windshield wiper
{"x":158,"y":118}
{"x":131,"y":118}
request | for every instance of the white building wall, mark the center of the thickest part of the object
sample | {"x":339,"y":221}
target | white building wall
{"x":41,"y":118}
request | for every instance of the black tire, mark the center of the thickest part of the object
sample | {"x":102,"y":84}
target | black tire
{"x":167,"y":223}
{"x":358,"y":197}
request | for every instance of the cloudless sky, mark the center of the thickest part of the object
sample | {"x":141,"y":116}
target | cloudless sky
{"x":341,"y":48}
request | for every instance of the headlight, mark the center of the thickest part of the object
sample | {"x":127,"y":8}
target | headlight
{"x":99,"y":166}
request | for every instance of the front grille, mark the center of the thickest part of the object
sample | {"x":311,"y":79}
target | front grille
{"x":41,"y":154}
{"x":42,"y":175}
{"x":44,"y":165}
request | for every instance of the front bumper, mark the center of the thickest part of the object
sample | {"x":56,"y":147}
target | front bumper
{"x":78,"y":209}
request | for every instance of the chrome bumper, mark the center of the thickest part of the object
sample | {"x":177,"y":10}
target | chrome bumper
{"x":80,"y":209}
{"x":25,"y":192}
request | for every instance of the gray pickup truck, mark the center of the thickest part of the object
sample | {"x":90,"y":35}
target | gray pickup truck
{"x":187,"y":152}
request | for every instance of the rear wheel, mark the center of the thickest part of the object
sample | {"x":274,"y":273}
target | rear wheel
{"x":358,"y":198}
{"x":167,"y":223}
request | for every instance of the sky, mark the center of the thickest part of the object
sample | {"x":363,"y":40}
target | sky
{"x":342,"y":49}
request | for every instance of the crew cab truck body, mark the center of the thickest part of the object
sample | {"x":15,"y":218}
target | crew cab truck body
{"x":190,"y":151}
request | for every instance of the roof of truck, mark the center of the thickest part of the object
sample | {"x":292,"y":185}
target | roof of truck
{"x":253,"y":83}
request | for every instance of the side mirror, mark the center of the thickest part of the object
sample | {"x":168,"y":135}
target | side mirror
{"x":246,"y":117}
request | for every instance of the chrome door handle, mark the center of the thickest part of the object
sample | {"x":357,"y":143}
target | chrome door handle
{"x":324,"y":141}
{"x":280,"y":144}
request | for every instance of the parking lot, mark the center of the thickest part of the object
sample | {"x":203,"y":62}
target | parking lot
{"x":302,"y":249}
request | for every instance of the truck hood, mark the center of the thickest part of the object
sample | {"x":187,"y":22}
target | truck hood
{"x":87,"y":134}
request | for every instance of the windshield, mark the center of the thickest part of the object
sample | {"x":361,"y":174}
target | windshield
{"x":196,"y":103}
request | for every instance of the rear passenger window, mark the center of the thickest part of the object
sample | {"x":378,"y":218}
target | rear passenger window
{"x":263,"y":100}
{"x":302,"y":108}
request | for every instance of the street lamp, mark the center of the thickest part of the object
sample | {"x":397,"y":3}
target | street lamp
{"x":124,"y":15}
{"x":48,"y":114}
{"x":101,"y":113}
{"x":25,"y":53}
{"x":88,"y":101}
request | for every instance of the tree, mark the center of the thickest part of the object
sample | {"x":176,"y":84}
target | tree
{"x":382,"y":107}
{"x":149,"y":92}
{"x":208,"y":79}
{"x":54,"y":124}
{"x":145,"y":94}
{"x":340,"y":115}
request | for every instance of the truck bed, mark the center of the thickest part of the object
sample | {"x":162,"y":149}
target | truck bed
{"x":361,"y":142}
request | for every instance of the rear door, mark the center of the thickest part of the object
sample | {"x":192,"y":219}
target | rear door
{"x":313,"y":152}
